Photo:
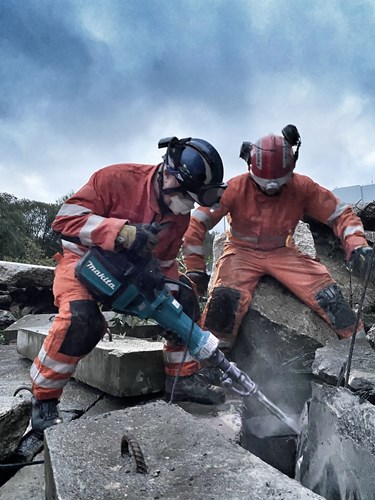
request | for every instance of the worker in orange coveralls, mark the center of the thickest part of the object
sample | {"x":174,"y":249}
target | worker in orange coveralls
{"x":263,"y":208}
{"x":115,"y":210}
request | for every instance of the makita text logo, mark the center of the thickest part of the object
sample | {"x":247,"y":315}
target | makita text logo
{"x":101,"y":275}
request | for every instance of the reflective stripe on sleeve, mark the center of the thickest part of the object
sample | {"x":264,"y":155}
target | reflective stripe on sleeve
{"x":203,"y":217}
{"x":72,"y":247}
{"x":69,"y":209}
{"x":91,"y":224}
{"x":353,"y":229}
{"x":193,"y":249}
{"x":340,"y":208}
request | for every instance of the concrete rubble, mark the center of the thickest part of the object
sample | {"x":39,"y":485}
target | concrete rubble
{"x":336,"y":456}
{"x":14,"y":419}
{"x":125,"y":366}
{"x":330,"y":364}
{"x":184,"y":460}
{"x":287,"y":349}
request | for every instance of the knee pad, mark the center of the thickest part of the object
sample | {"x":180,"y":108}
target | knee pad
{"x":188,"y":299}
{"x":333,"y":303}
{"x":87,"y":327}
{"x":222,"y":310}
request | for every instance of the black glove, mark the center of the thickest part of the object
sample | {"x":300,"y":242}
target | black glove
{"x":360,"y":260}
{"x":146,"y":238}
{"x":200,"y":280}
{"x":139,"y":239}
{"x":188,"y":298}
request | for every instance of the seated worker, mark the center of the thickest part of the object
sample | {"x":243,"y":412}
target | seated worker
{"x":263,"y":208}
{"x":114,"y":210}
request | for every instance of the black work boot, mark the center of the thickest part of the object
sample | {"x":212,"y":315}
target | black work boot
{"x":44,"y":414}
{"x":193,"y":388}
{"x":211,"y":375}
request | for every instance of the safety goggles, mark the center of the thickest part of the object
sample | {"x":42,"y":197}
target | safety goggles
{"x":206,"y":196}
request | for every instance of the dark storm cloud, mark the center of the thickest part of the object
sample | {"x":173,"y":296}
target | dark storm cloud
{"x":42,"y":57}
{"x":84,"y":79}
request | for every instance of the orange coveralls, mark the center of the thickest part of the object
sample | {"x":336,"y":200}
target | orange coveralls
{"x":93,"y":216}
{"x":259,"y":242}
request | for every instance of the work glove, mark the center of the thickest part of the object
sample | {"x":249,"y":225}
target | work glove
{"x":187,"y":297}
{"x":200,"y":280}
{"x":360,"y":261}
{"x":139,"y":239}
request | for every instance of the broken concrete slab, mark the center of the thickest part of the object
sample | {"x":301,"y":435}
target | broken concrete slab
{"x":124,"y":367}
{"x":15,"y":413}
{"x":26,"y":484}
{"x":330,"y":359}
{"x":277,"y":357}
{"x":276,"y":346}
{"x":43,"y":320}
{"x":184,"y":460}
{"x":21,"y":275}
{"x":336,"y":455}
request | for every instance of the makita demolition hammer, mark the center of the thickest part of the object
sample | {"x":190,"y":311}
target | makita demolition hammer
{"x":137,"y":287}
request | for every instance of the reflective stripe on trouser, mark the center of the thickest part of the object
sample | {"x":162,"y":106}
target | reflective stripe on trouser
{"x":53,"y":368}
{"x":173,"y":357}
{"x":239,"y":270}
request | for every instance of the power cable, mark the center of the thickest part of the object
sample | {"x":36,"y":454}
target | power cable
{"x":359,"y":312}
{"x":181,"y":363}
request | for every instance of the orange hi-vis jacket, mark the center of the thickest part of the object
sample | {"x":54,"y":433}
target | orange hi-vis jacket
{"x":113,"y":196}
{"x":260,"y":242}
{"x":264,"y":222}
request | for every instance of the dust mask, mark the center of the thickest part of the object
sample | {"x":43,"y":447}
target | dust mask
{"x":180,"y":205}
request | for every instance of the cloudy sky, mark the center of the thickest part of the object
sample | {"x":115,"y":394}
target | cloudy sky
{"x":88,"y":83}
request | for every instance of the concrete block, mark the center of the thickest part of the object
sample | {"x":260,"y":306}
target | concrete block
{"x":15,"y":413}
{"x":125,"y":367}
{"x":336,"y":454}
{"x":185,"y":459}
{"x":330,"y":359}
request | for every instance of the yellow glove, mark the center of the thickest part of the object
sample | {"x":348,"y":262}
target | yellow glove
{"x":127,"y":235}
{"x":140,"y":238}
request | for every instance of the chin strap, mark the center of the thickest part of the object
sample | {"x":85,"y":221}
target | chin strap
{"x":163,"y":207}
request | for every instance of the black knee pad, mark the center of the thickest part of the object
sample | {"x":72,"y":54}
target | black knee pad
{"x":222,"y":310}
{"x":188,"y":299}
{"x":85,"y":330}
{"x":332,"y":301}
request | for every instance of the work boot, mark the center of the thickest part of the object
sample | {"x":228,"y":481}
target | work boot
{"x":193,"y":388}
{"x":212,"y":375}
{"x":44,"y":414}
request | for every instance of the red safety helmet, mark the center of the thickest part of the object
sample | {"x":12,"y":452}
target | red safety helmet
{"x":271,"y":160}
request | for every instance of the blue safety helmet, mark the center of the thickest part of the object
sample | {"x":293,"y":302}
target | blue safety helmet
{"x":198,"y":168}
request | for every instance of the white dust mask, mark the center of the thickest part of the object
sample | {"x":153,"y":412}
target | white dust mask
{"x":180,"y":205}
